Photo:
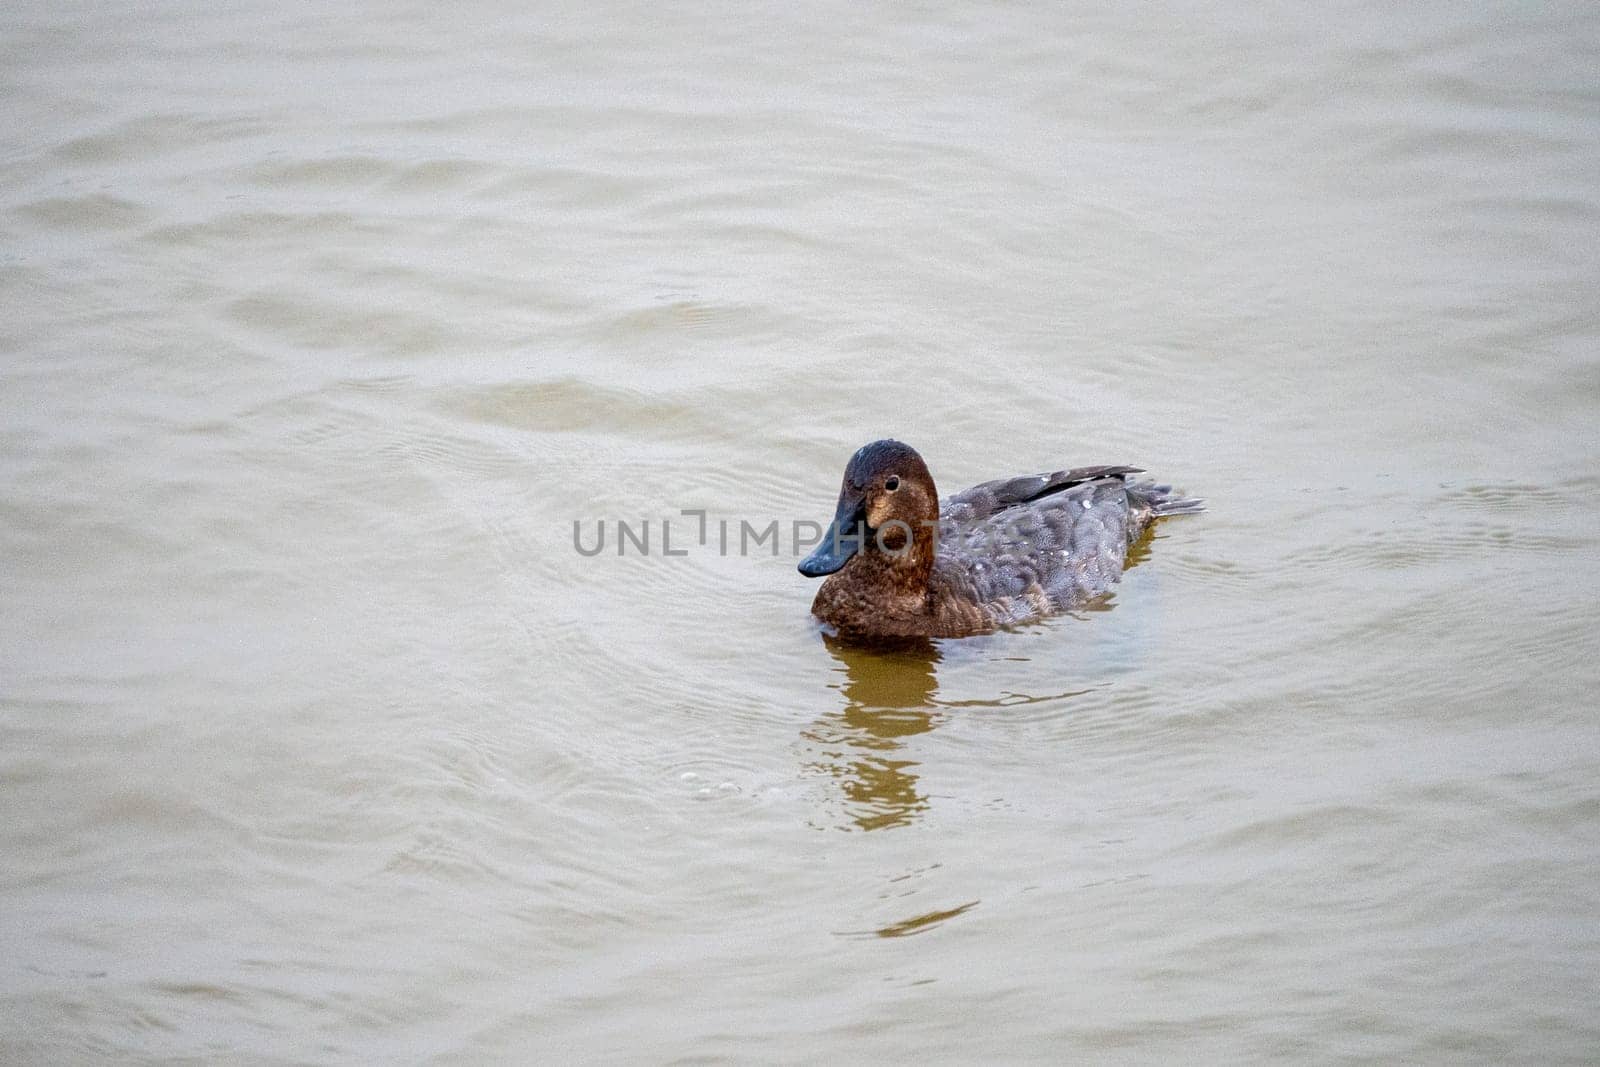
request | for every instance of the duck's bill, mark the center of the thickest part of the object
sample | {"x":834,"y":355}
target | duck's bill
{"x":841,"y":541}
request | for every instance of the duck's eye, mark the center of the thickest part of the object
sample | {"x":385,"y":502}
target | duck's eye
{"x":893,"y":483}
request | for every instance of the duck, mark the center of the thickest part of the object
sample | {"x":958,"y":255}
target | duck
{"x":900,"y":564}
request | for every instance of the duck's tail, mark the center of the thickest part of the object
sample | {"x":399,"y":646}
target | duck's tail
{"x":1162,"y":500}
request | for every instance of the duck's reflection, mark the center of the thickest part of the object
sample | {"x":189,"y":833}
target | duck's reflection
{"x":888,"y":697}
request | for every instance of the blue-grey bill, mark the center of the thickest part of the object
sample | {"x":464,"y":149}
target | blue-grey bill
{"x":841,"y":541}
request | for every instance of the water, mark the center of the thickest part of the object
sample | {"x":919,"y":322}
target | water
{"x":320,"y":743}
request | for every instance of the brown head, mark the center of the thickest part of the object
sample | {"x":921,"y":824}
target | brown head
{"x":888,"y":511}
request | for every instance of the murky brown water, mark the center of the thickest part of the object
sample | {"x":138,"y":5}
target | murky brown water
{"x":320,"y":743}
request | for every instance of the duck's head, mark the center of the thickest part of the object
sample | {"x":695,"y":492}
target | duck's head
{"x":888,"y":508}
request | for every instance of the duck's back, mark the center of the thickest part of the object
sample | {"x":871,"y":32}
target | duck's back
{"x":1027,"y":547}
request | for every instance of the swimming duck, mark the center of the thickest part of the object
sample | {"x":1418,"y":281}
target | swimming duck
{"x":901,"y":564}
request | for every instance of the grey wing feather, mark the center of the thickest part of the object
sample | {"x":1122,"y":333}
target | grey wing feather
{"x":1055,"y":549}
{"x":982,"y":501}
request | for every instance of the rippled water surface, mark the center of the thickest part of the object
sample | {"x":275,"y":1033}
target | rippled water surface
{"x":319,"y":742}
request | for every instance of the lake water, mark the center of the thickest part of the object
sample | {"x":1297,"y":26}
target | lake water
{"x":320,"y":743}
